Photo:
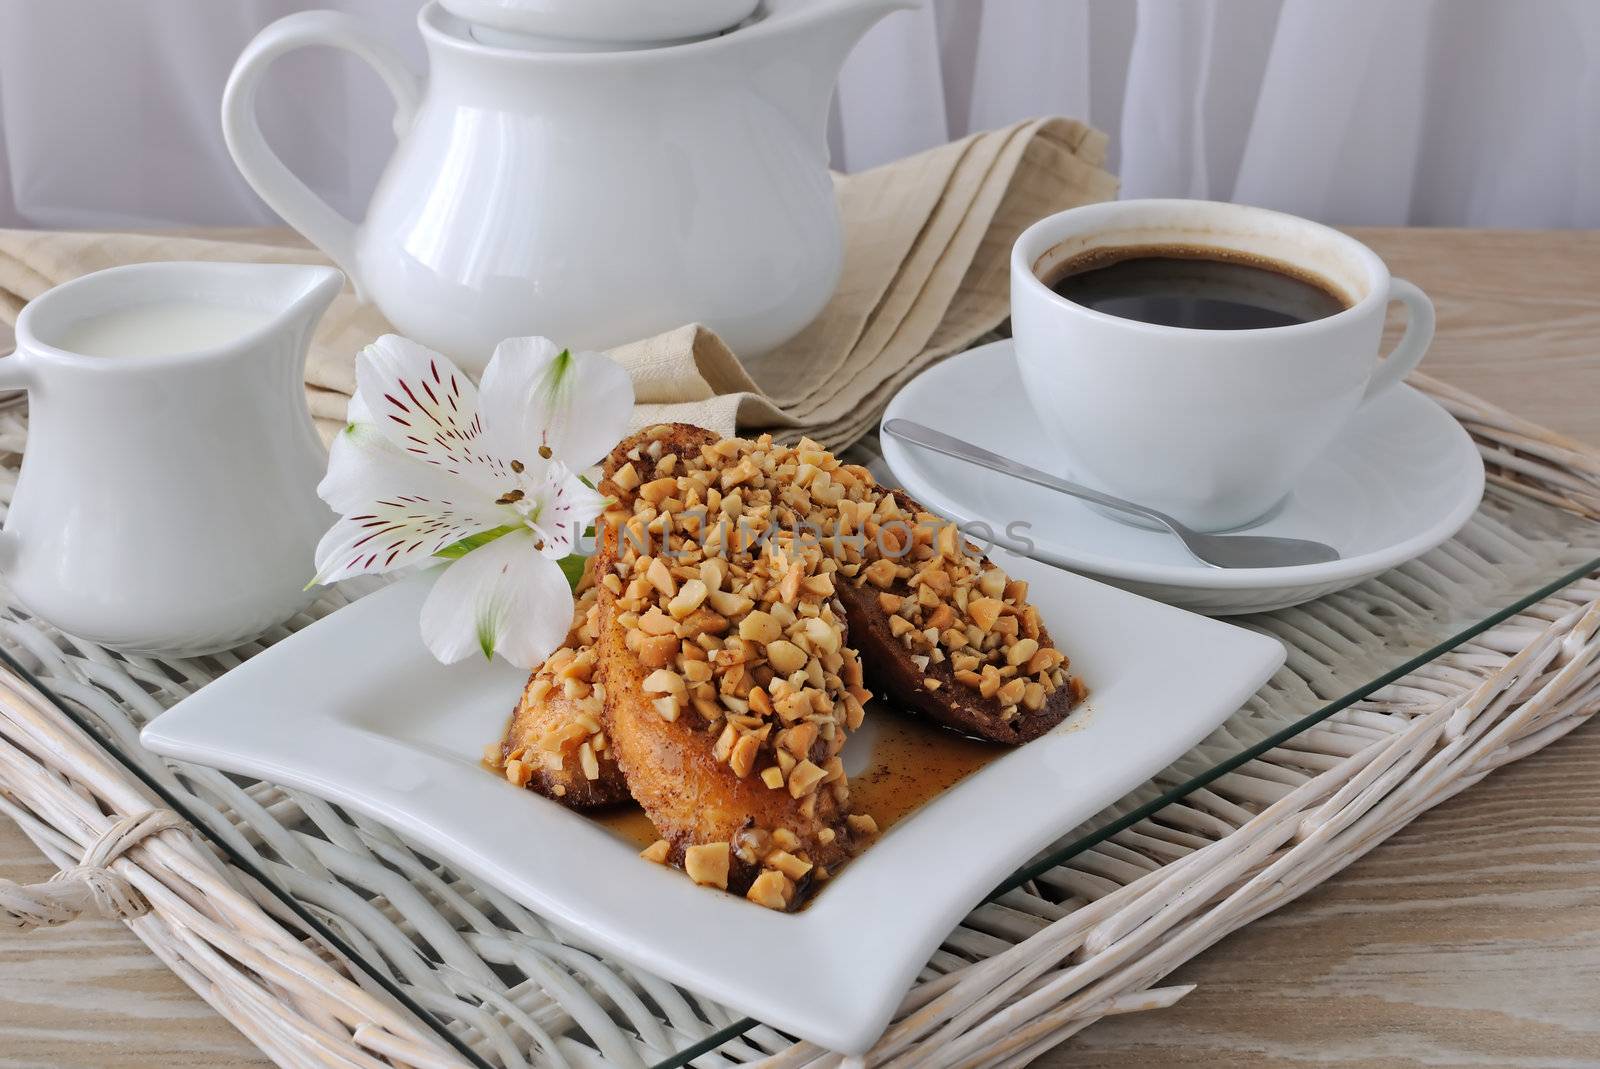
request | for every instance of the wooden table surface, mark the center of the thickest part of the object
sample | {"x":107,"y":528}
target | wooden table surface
{"x":1470,"y":939}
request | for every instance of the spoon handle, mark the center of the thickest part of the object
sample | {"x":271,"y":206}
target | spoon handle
{"x":928,"y":438}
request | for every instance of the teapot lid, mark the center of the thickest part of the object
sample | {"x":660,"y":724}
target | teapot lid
{"x":596,"y":25}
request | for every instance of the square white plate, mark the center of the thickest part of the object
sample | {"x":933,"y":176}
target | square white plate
{"x":354,"y":709}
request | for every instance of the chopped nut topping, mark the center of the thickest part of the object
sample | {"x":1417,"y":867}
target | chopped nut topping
{"x":761,"y":627}
{"x":791,"y":866}
{"x":658,"y":650}
{"x":734,"y":618}
{"x":735,"y":613}
{"x":1011,"y":693}
{"x":743,"y":757}
{"x":689,"y":598}
{"x":656,"y":622}
{"x":1022,"y":651}
{"x":707,"y":864}
{"x":518,"y":773}
{"x":627,"y":477}
{"x":960,"y":610}
{"x":771,"y":889}
{"x":880,"y":573}
{"x":569,"y":673}
{"x":785,"y":657}
{"x":862,"y":824}
{"x":984,"y":612}
{"x":804,"y":779}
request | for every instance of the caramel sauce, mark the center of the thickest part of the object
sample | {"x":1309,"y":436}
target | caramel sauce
{"x":913,"y":762}
{"x":627,"y":823}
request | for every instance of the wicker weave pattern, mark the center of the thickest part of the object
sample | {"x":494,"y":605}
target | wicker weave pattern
{"x":1023,"y":972}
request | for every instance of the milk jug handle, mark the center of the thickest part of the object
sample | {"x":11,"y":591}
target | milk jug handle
{"x":267,"y":174}
{"x":16,"y":373}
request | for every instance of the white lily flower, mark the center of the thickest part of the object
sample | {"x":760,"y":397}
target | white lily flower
{"x":430,"y":463}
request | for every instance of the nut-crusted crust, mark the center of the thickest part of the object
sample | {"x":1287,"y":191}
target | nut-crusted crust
{"x":530,"y":724}
{"x":893,"y":673}
{"x":691,"y":796}
{"x":554,"y":744}
{"x":888,"y":661}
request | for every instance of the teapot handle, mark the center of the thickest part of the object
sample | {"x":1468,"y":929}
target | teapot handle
{"x":267,"y":174}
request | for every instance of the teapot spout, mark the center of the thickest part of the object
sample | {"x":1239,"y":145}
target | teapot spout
{"x":798,"y":48}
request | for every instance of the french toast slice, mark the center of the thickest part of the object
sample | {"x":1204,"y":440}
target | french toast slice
{"x":945,"y":633}
{"x":730,"y":684}
{"x":556,"y":743}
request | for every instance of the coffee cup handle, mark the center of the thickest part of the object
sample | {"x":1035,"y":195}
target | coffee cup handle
{"x":1413,"y":344}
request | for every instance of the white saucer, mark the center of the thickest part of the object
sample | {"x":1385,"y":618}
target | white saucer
{"x":1400,"y":480}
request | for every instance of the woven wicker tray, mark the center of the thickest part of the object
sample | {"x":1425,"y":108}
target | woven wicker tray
{"x":330,"y":941}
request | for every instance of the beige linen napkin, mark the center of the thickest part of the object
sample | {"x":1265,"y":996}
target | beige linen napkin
{"x":925,"y":274}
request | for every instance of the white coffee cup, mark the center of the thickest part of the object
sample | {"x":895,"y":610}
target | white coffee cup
{"x":1210,"y":426}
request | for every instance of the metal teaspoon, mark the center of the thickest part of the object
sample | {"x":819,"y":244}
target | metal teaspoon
{"x":1218,"y":551}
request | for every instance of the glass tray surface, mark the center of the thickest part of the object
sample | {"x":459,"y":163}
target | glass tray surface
{"x":1342,"y":648}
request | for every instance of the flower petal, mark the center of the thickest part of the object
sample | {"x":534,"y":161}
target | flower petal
{"x":503,"y":598}
{"x":425,"y":406}
{"x":534,"y":394}
{"x":396,"y":531}
{"x":356,"y":413}
{"x":563,"y":506}
{"x":363,"y":467}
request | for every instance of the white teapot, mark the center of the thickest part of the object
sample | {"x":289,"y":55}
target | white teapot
{"x":595,"y":171}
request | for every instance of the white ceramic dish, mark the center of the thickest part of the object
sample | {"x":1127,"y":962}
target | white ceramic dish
{"x":353,"y":709}
{"x":1401,"y":479}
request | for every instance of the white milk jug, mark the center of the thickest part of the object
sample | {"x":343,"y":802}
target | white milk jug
{"x":167,"y":501}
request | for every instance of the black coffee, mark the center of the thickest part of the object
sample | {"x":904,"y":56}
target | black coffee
{"x":1187,"y":286}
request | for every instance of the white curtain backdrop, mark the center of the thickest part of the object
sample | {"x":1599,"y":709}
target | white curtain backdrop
{"x":1441,"y":112}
